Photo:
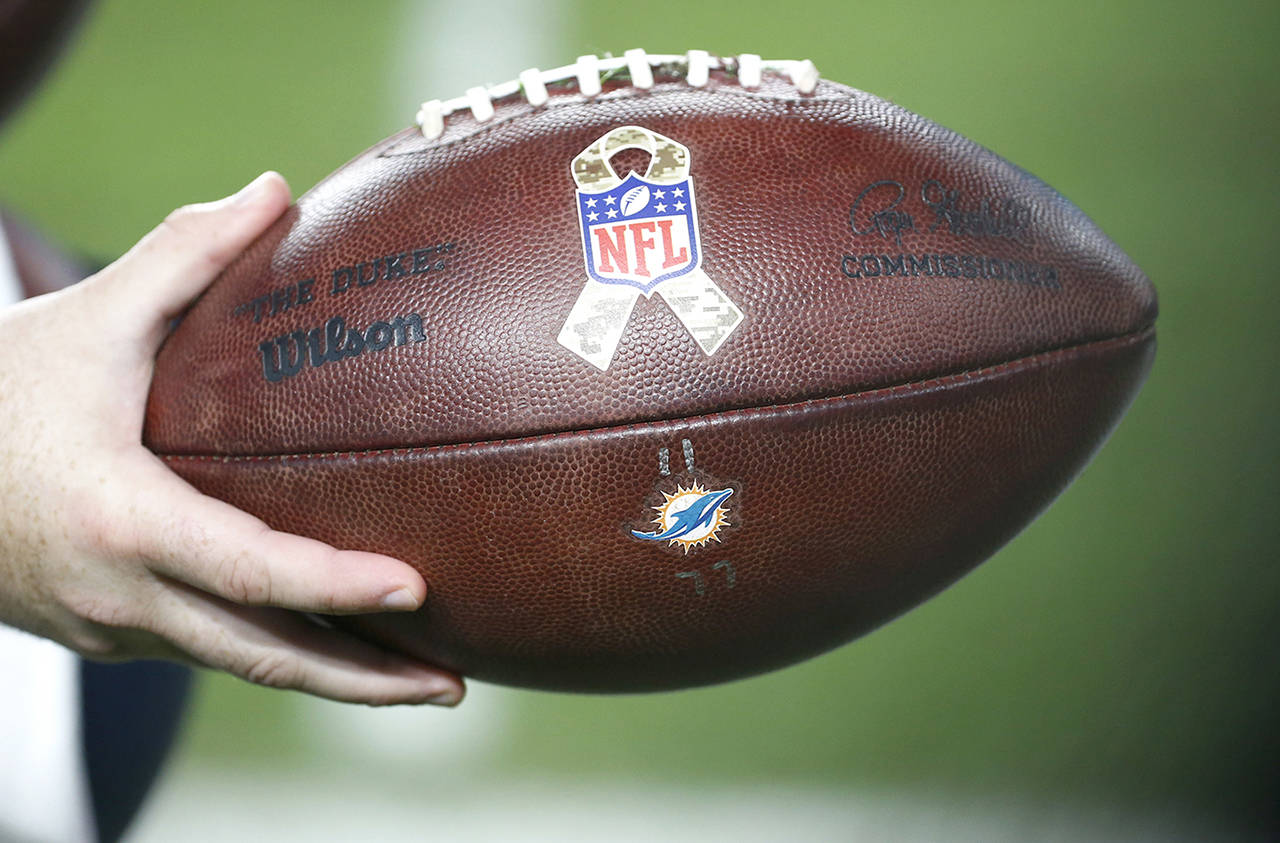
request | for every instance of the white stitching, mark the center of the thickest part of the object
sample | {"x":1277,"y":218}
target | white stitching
{"x":535,"y":91}
{"x":804,"y":76}
{"x":587,"y":72}
{"x":618,"y":95}
{"x":481,"y":105}
{"x":431,"y":118}
{"x":699,"y":68}
{"x":750,"y":70}
{"x":638,"y":67}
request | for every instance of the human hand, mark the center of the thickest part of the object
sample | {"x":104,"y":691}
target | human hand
{"x":106,"y":551}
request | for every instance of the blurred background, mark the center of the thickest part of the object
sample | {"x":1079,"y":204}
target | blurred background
{"x":1111,"y":675}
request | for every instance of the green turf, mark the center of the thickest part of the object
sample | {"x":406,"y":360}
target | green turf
{"x":1123,"y":648}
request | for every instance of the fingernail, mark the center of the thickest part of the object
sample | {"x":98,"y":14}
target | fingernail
{"x":400,"y":600}
{"x":448,"y":698}
{"x":252,"y":190}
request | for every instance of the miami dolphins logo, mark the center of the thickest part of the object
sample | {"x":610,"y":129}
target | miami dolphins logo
{"x":689,"y":518}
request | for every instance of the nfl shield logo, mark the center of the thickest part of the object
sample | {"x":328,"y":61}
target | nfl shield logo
{"x":640,"y":233}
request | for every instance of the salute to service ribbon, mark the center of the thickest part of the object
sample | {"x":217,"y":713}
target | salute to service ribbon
{"x":640,"y":236}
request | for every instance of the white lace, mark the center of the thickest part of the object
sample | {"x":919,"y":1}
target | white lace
{"x":695,"y":66}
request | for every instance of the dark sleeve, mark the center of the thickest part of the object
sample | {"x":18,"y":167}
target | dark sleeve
{"x":131,"y":714}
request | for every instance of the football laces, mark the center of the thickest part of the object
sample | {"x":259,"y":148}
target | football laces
{"x":589,"y":73}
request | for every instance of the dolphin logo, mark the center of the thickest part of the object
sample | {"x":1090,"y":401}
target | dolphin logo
{"x":694,"y":522}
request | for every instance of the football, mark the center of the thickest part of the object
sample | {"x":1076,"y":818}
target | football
{"x":634,"y":200}
{"x":663,"y":370}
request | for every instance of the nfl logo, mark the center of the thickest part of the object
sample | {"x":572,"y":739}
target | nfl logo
{"x":640,"y":233}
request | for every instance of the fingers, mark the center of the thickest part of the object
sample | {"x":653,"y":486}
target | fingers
{"x":104,"y":549}
{"x":284,"y":650}
{"x":173,"y":264}
{"x":219,"y":549}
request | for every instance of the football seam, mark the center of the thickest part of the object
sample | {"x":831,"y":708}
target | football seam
{"x":1031,"y":361}
{"x":660,"y":89}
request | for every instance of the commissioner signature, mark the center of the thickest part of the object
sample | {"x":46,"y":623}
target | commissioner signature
{"x":878,"y":204}
{"x":878,"y":209}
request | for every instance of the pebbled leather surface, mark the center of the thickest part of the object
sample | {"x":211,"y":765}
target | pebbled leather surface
{"x":775,"y":175}
{"x":882,"y":435}
{"x":847,"y":511}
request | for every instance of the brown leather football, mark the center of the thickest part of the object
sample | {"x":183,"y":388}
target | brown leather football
{"x":663,"y":370}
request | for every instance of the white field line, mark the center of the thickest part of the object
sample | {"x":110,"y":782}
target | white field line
{"x":352,"y":804}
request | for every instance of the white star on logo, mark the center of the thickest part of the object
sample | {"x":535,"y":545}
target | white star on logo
{"x":612,"y":213}
{"x":679,"y":206}
{"x":678,"y":192}
{"x":591,"y":203}
{"x":593,"y":216}
{"x":609,"y":200}
{"x":658,"y":194}
{"x":660,"y":208}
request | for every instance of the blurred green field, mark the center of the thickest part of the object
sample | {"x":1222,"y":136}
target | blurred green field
{"x":1123,"y":650}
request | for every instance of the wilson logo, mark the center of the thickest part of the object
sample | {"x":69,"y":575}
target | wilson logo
{"x":285,"y":356}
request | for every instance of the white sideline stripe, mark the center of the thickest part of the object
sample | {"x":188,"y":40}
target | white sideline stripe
{"x":447,"y":47}
{"x":44,"y":786}
{"x":44,"y":789}
{"x":426,"y":800}
{"x":460,"y":739}
{"x":10,"y":285}
{"x":440,"y":55}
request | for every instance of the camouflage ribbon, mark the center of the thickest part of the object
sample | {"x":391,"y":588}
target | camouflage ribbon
{"x":600,"y":315}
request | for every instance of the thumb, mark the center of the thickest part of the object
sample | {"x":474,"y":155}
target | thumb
{"x":161,"y":275}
